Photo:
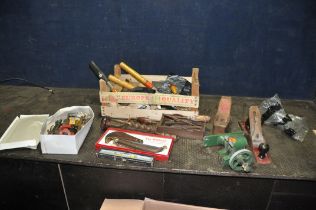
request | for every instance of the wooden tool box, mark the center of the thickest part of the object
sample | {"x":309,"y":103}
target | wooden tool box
{"x":124,"y":104}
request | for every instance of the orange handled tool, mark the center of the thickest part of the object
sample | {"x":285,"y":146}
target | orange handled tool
{"x":137,"y":76}
{"x":120,"y":82}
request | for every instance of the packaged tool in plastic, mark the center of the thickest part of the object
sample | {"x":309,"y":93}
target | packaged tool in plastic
{"x":174,"y":84}
{"x":273,"y":113}
{"x":126,"y":157}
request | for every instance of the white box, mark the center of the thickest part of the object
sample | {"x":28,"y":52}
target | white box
{"x":24,"y":131}
{"x":65,"y":144}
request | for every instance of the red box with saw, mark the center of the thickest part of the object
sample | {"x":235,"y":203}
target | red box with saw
{"x":157,"y":146}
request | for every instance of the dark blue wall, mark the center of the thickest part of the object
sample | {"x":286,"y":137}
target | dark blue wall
{"x":242,"y":47}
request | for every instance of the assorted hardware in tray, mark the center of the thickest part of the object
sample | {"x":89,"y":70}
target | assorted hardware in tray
{"x":64,"y":132}
{"x":69,"y":125}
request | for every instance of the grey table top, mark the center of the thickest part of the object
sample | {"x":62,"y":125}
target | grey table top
{"x":290,"y":159}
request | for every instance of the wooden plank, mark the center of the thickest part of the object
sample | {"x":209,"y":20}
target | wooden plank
{"x":117,"y":74}
{"x":195,"y":82}
{"x":222,"y":117}
{"x":128,"y":112}
{"x":148,"y":98}
{"x":105,"y":89}
{"x":103,"y":86}
{"x":195,"y":85}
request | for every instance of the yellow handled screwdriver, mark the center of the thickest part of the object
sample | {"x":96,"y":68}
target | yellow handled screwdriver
{"x":137,"y":76}
{"x":120,"y":82}
{"x":129,"y":86}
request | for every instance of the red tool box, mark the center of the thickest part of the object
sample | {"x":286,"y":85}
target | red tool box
{"x":147,"y":139}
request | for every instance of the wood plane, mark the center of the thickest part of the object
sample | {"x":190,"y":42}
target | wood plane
{"x":253,"y":131}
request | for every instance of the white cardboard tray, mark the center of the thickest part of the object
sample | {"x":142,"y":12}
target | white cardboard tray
{"x":24,"y":131}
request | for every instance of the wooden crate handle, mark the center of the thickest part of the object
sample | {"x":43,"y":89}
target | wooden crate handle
{"x":117,"y":74}
{"x":117,"y":71}
{"x":103,"y":86}
{"x":195,"y":86}
{"x":195,"y":82}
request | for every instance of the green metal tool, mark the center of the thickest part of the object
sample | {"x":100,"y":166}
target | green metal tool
{"x":234,"y":153}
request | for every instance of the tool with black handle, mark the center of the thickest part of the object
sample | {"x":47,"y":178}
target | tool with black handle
{"x":99,"y":74}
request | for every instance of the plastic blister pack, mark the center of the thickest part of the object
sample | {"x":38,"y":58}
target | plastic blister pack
{"x":273,"y":113}
{"x":182,"y":86}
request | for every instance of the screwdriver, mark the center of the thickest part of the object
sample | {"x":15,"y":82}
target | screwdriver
{"x":99,"y":74}
{"x":120,"y":82}
{"x":129,"y":86}
{"x":136,"y":75}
